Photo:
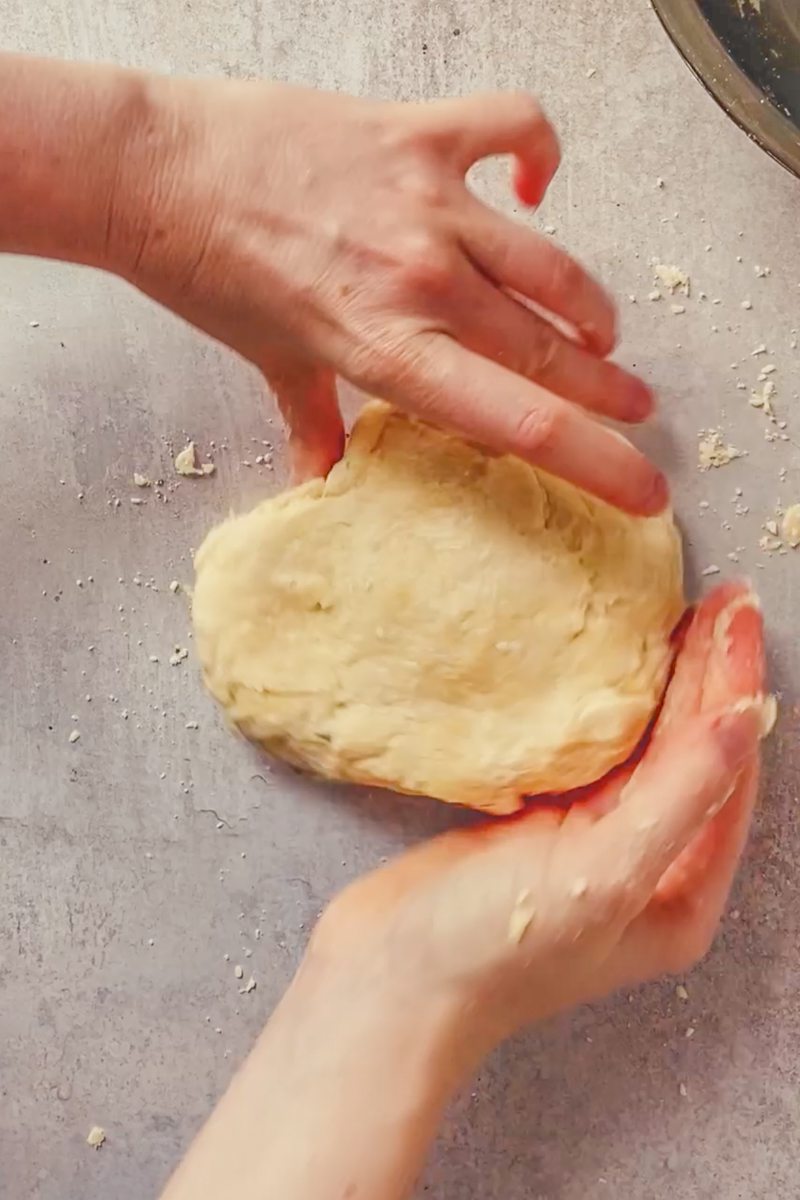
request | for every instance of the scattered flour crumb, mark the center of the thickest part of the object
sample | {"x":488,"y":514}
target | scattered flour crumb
{"x":521,"y":916}
{"x":769,"y":715}
{"x":187,"y":463}
{"x":713,"y":452}
{"x":681,"y":992}
{"x":96,"y":1137}
{"x":141,"y":481}
{"x":672,"y":278}
{"x":763,"y":398}
{"x":74,"y":737}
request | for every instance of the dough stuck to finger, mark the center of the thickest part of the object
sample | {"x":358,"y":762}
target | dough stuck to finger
{"x":440,"y":621}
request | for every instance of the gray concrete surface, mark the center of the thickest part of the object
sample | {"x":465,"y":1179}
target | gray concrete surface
{"x":134,"y":860}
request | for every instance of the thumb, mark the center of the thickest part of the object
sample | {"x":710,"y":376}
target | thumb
{"x":671,"y":796}
{"x":306,"y":395}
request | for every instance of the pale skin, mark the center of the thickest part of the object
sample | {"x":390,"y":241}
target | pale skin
{"x":324,"y":236}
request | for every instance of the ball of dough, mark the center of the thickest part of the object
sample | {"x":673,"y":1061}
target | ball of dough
{"x":440,"y":621}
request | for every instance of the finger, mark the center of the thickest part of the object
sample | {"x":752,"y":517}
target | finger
{"x":719,"y":842}
{"x":306,"y":395}
{"x":535,"y":267}
{"x":671,"y":796}
{"x":676,"y":929}
{"x":728,"y":633}
{"x":478,"y":126}
{"x":498,"y":327}
{"x":722,"y":657}
{"x":446,"y":383}
{"x":720,"y":665}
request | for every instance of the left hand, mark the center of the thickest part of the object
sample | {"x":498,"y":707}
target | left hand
{"x":522,"y":917}
{"x":323,"y":234}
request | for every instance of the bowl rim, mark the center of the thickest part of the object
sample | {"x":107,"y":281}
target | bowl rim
{"x":733,"y":90}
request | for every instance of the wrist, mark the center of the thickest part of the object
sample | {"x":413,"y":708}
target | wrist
{"x":368,"y":1002}
{"x":62,"y":146}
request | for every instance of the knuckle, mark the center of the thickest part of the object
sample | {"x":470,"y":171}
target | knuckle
{"x":699,"y":942}
{"x":526,"y":107}
{"x":426,"y":263}
{"x":426,"y":186}
{"x":691,"y":947}
{"x":383,"y":361}
{"x":538,"y":427}
{"x":566,"y":277}
{"x":541,"y":352}
{"x":369,"y":365}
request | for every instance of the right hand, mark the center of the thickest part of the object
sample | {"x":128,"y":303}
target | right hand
{"x":320,"y":234}
{"x":519,"y":918}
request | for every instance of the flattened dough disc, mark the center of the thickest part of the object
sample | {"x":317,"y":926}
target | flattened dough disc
{"x":439,"y":621}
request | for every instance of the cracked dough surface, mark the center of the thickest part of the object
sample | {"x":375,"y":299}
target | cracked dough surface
{"x":436,"y":620}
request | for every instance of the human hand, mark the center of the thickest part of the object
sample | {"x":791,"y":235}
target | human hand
{"x":319,"y":234}
{"x":525,"y":916}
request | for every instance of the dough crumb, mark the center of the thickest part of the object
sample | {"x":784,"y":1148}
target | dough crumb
{"x":790,"y":526}
{"x":188,"y":464}
{"x":769,"y":715}
{"x":141,"y":481}
{"x":672,"y":278}
{"x":238,"y":971}
{"x":174,"y":587}
{"x":713,"y":452}
{"x":179,"y":654}
{"x":522,"y":915}
{"x":762,"y":399}
{"x":250,"y":986}
{"x":681,"y":992}
{"x":96,"y":1137}
{"x":74,"y":737}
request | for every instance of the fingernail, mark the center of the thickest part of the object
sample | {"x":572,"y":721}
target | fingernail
{"x":765,"y":708}
{"x":642,"y":402}
{"x":657,"y":498}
